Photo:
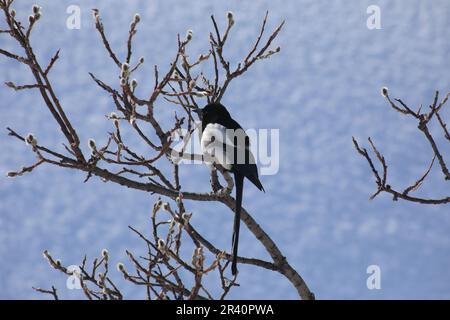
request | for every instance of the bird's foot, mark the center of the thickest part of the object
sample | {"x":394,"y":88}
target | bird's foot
{"x":222,"y":192}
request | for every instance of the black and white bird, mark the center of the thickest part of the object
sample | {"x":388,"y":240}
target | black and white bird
{"x":225,"y":143}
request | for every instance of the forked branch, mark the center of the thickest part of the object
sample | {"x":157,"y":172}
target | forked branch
{"x":423,"y":119}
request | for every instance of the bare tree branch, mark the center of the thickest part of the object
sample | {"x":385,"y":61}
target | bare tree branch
{"x":423,"y":119}
{"x":117,"y":161}
{"x":52,"y":292}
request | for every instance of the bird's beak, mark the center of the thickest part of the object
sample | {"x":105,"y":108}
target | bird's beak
{"x":199,"y":112}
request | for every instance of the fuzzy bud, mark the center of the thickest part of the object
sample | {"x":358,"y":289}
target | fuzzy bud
{"x":230,"y":18}
{"x":161,"y":245}
{"x":123,"y":82}
{"x":113,"y":115}
{"x":120,"y":267}
{"x":11,"y":174}
{"x":12,"y":13}
{"x":136,"y":18}
{"x":166,"y":206}
{"x":134,"y":84}
{"x":186,"y":217}
{"x":92,"y":145}
{"x":189,"y":35}
{"x":158,"y":205}
{"x":30,"y":139}
{"x":37,"y":16}
{"x":384,"y":92}
{"x":31,"y":19}
{"x":125,"y":66}
{"x":171,"y":224}
{"x":36,"y":9}
{"x":105,"y":253}
{"x":132,"y":120}
{"x":141,"y":60}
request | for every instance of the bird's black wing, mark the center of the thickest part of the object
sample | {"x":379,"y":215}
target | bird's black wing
{"x":248,"y":167}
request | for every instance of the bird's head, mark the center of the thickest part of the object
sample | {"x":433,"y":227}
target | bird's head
{"x":212,"y":112}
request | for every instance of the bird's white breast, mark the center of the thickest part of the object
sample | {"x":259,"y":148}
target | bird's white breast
{"x":215,"y":142}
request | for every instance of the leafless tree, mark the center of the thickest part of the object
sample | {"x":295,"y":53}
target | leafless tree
{"x":424,"y":119}
{"x":162,"y":271}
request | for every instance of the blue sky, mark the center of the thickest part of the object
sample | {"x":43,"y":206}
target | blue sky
{"x":322,"y":89}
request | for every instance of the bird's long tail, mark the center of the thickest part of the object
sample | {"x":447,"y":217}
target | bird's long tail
{"x":239,"y":180}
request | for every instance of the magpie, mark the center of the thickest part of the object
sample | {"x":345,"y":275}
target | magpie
{"x":225,"y":143}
